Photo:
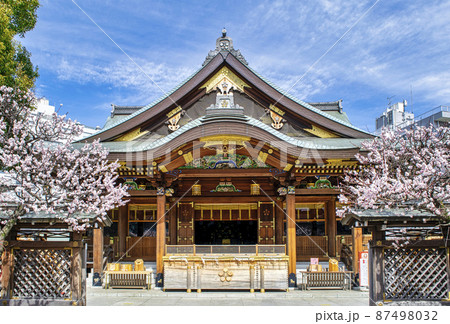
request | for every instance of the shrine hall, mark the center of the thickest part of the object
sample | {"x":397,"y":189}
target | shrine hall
{"x":227,"y":162}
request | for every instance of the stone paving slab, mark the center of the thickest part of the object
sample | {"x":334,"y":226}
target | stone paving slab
{"x":157,"y":297}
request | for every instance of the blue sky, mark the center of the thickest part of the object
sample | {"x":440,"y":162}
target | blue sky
{"x":397,"y":45}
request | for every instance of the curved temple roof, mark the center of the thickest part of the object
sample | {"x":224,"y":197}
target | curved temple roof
{"x":324,"y":115}
{"x":307,"y":142}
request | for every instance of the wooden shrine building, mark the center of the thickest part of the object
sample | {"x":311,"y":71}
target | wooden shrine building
{"x":226,"y":158}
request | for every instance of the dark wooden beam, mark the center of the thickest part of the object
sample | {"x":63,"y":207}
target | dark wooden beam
{"x":44,"y":244}
{"x":316,"y":192}
{"x":142,"y":193}
{"x":232,"y":173}
{"x":221,"y":199}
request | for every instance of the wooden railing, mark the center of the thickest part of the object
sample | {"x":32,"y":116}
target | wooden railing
{"x":319,"y":280}
{"x":264,"y":249}
{"x":128,"y":279}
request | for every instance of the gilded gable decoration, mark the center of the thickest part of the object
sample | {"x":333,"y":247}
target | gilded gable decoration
{"x":220,"y":161}
{"x":174,"y":118}
{"x":219,"y":142}
{"x":224,"y":77}
{"x":173,"y":122}
{"x":225,"y":186}
{"x":276,"y":115}
{"x":277,"y":120}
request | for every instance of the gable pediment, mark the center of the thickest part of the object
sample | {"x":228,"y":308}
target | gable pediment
{"x":224,"y":76}
{"x":259,"y":100}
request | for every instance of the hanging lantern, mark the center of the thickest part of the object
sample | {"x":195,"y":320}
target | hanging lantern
{"x":197,"y":190}
{"x":254,"y":189}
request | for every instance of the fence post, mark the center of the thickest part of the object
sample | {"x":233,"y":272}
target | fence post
{"x":448,"y":272}
{"x":76,"y":274}
{"x":376,"y":269}
{"x":7,"y":269}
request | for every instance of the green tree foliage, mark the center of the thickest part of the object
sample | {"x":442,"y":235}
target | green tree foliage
{"x":16,"y":18}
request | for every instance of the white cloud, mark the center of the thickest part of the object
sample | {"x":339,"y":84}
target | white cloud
{"x":397,"y":44}
{"x":147,"y":78}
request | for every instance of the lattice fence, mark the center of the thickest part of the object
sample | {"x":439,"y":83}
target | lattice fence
{"x":41,"y":273}
{"x":415,"y":273}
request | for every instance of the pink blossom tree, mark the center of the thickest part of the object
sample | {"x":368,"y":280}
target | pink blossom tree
{"x":41,"y":172}
{"x":402,"y":169}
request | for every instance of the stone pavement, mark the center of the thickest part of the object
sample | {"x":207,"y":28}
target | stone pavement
{"x":136,"y":297}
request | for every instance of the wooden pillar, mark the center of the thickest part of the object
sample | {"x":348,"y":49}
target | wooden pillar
{"x":98,"y":256}
{"x":376,"y":268}
{"x":7,"y":269}
{"x":76,"y":270}
{"x":123,"y":230}
{"x":160,"y":235}
{"x":331,"y":226}
{"x":173,"y":223}
{"x":279,"y":224}
{"x":357,"y":246}
{"x":291,"y":239}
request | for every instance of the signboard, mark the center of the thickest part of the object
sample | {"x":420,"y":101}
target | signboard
{"x":364,"y":269}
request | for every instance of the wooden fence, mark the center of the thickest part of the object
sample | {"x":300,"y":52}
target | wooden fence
{"x":43,"y":273}
{"x":415,"y":272}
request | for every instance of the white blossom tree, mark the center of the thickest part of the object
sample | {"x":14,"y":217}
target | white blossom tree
{"x":41,"y":172}
{"x":402,"y":169}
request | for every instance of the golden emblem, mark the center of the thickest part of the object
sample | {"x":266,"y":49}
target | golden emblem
{"x":225,"y":275}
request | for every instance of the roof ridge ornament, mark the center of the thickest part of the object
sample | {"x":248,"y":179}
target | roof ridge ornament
{"x":224,"y":44}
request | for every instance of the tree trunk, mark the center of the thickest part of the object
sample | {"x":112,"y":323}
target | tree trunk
{"x":8,"y":226}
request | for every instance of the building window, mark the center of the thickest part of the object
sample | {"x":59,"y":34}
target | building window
{"x":112,"y":230}
{"x":310,"y":229}
{"x":138,"y":229}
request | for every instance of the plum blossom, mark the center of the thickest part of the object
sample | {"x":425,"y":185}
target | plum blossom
{"x":407,"y":169}
{"x":42,"y":172}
